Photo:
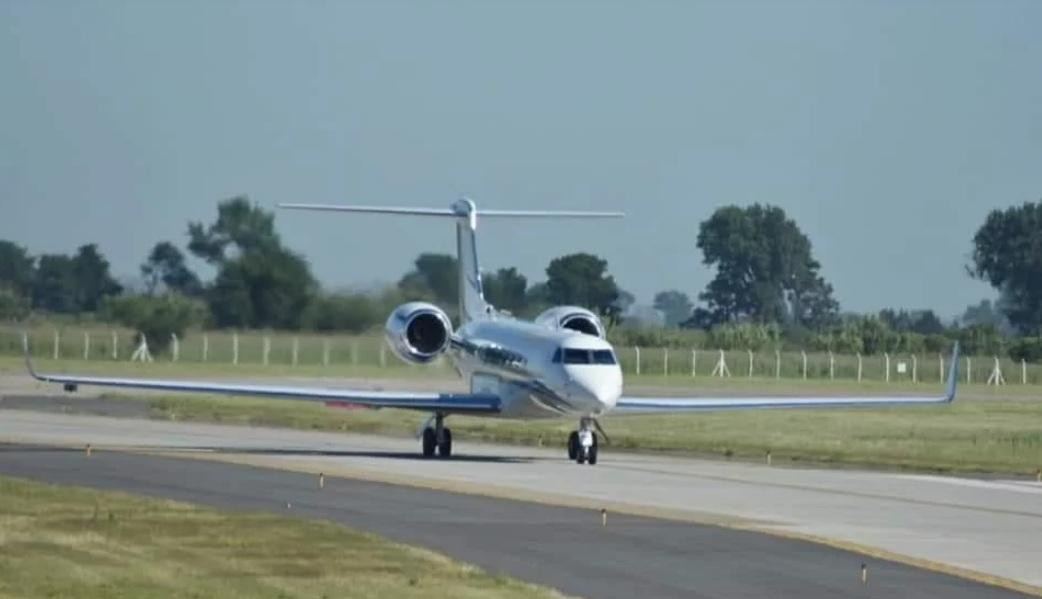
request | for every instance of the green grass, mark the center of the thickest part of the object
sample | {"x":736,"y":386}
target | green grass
{"x":1001,"y":436}
{"x":72,"y":542}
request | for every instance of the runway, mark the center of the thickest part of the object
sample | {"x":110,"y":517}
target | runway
{"x":988,"y":527}
{"x":566,"y":548}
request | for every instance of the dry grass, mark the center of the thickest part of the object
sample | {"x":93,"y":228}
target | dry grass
{"x":72,"y":542}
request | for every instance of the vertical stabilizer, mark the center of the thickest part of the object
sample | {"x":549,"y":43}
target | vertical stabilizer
{"x":472,"y":304}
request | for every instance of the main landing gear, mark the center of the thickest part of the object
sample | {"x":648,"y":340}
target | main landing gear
{"x":437,"y":438}
{"x":582,"y":444}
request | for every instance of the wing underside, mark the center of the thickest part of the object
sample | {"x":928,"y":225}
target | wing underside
{"x":708,"y":404}
{"x":447,"y":403}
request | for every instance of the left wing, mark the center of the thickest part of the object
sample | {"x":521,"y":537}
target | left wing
{"x":693,"y":404}
{"x":448,"y":403}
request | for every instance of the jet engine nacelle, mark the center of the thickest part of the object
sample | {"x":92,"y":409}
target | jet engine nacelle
{"x":574,"y":318}
{"x":418,"y":332}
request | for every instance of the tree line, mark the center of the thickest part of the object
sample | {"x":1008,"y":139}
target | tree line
{"x":767,"y":289}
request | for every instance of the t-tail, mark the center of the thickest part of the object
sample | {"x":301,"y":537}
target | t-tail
{"x":472,"y":304}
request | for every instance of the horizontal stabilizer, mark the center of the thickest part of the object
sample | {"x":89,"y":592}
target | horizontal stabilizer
{"x":453,"y":212}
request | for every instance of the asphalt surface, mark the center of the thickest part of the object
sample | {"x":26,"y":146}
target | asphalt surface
{"x":565,"y":548}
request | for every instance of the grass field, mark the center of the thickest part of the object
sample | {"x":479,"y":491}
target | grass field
{"x":72,"y":542}
{"x":987,"y":429}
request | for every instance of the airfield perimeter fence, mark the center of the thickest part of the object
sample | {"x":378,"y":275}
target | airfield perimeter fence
{"x":99,"y":343}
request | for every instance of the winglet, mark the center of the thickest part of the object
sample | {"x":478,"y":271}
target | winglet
{"x":28,"y":359}
{"x":953,"y":375}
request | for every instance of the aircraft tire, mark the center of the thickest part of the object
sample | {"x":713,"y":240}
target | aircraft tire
{"x":573,"y":445}
{"x":591,"y":459}
{"x":429,"y":442}
{"x":445,"y":447}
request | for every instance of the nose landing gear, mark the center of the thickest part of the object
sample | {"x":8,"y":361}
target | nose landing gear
{"x":582,"y":444}
{"x":437,"y":438}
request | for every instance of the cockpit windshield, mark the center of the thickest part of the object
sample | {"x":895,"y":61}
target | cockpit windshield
{"x":570,"y":355}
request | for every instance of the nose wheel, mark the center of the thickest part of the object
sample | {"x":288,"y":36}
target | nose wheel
{"x":437,"y":438}
{"x":582,"y":444}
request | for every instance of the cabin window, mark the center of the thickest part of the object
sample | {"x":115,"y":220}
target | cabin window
{"x":584,"y":356}
{"x":576,"y":356}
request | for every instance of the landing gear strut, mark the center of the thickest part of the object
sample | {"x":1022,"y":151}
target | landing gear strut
{"x":582,"y":444}
{"x":437,"y":438}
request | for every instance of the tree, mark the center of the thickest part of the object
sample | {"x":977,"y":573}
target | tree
{"x":986,"y":312}
{"x":12,"y":305}
{"x":239,"y":224}
{"x":582,"y":280}
{"x":675,"y":306}
{"x":166,"y":266}
{"x":54,"y":289}
{"x":505,"y":289}
{"x":924,"y":322}
{"x":765,"y":271}
{"x":156,"y":317}
{"x":17,"y":268}
{"x":259,"y":282}
{"x":1008,"y":254}
{"x":266,"y":288}
{"x":91,"y":279}
{"x":351,"y":312}
{"x":435,"y":278}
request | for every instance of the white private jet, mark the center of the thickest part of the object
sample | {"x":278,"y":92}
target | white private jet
{"x":558,"y":366}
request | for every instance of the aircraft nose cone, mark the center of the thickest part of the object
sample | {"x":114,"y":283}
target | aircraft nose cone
{"x":596,"y":390}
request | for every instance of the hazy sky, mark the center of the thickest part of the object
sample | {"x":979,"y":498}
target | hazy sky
{"x":888,"y":130}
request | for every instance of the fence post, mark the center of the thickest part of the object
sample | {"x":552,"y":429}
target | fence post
{"x":996,"y":377}
{"x":750,"y":363}
{"x":969,"y":370}
{"x":887,"y":357}
{"x":383,"y":355}
{"x":694,"y":362}
{"x":804,"y":354}
{"x":860,"y":366}
{"x":115,"y":346}
{"x":941,"y":369}
{"x":266,"y":351}
{"x":206,"y":346}
{"x":1023,"y":372}
{"x":915,"y":368}
{"x":296,"y":349}
{"x":175,"y":350}
{"x":665,"y":361}
{"x":637,"y":349}
{"x":777,"y":363}
{"x":832,"y":366}
{"x":721,"y":368}
{"x":141,"y":353}
{"x":86,"y":345}
{"x":57,"y":344}
{"x":235,"y":347}
{"x":325,"y":352}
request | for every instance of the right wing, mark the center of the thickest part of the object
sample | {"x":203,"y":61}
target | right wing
{"x":713,"y":404}
{"x":448,"y":403}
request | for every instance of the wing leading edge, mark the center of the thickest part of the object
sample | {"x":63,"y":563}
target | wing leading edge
{"x":449,"y":403}
{"x":696,"y":404}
